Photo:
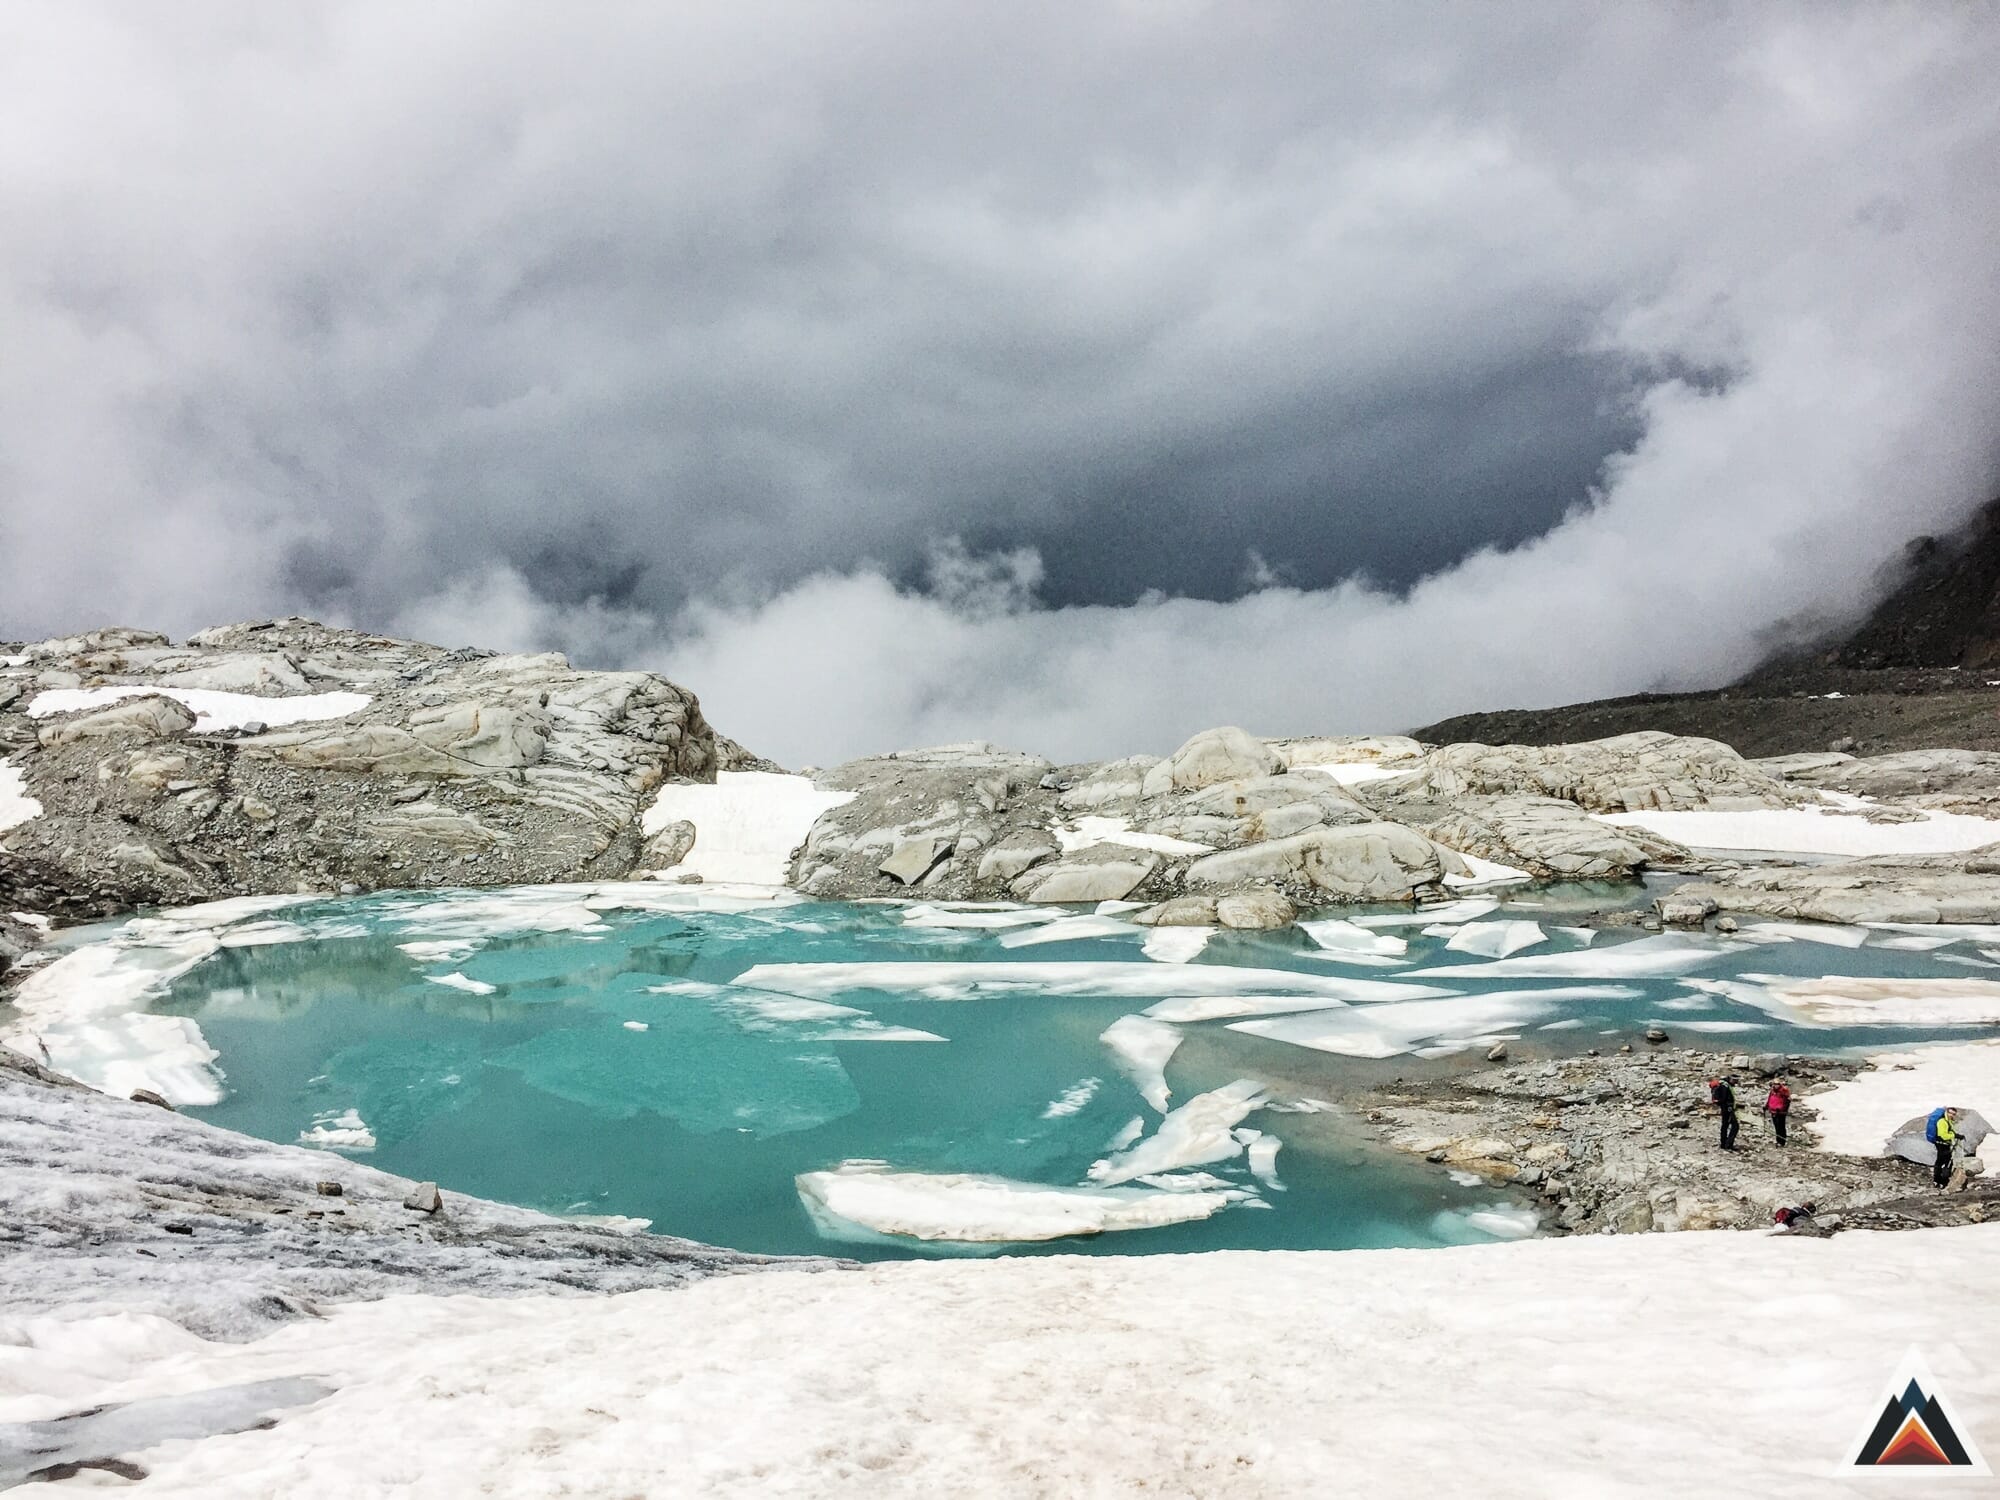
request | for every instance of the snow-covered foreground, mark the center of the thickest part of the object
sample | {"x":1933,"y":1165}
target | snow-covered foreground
{"x":1630,"y":1365}
{"x":1857,"y":1117}
{"x":746,"y":825}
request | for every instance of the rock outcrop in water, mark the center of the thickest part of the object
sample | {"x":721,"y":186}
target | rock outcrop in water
{"x":287,"y":755}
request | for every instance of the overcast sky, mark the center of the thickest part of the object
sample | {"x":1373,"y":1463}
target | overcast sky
{"x":1068,"y":375}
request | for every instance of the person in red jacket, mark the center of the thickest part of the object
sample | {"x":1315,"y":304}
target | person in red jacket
{"x":1778,"y":1105}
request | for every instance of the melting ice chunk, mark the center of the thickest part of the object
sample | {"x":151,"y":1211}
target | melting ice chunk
{"x":954,"y":1206}
{"x":1197,"y":1133}
{"x":1495,"y":939}
{"x":1142,"y":1046}
{"x":1176,"y":945}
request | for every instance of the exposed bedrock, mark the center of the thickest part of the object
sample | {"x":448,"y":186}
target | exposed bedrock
{"x":286,"y":755}
{"x":1886,"y":888}
{"x":1305,"y":821}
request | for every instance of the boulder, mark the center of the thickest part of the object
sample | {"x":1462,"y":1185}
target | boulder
{"x":1255,"y":910}
{"x":1180,"y":911}
{"x":668,"y":847}
{"x":913,"y":859}
{"x":1225,"y":754}
{"x":1365,"y":862}
{"x":424,"y":1198}
{"x":131,"y":718}
{"x":1102,"y":872}
{"x":1015,"y":854}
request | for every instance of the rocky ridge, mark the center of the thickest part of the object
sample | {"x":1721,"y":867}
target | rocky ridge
{"x":1310,"y":821}
{"x":412,"y":765}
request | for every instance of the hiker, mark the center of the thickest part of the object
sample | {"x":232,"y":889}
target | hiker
{"x":1939,"y":1131}
{"x":1725,"y":1100}
{"x":1778,"y":1105}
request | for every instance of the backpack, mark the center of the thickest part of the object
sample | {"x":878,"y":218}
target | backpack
{"x":1780,"y":1100}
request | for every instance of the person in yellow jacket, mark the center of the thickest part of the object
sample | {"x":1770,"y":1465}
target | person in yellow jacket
{"x":1939,"y":1131}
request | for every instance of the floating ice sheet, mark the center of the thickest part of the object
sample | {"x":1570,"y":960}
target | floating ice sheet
{"x":962,"y":981}
{"x":1070,"y":930}
{"x":1338,"y":936}
{"x":1389,"y":1030}
{"x":1662,"y":956}
{"x":1495,"y":939}
{"x":1832,"y":934}
{"x":1449,"y":911}
{"x":1199,"y":1132}
{"x":1216,"y":1007}
{"x":1176,"y":945}
{"x":1837,"y":1000}
{"x":341,"y":1131}
{"x":981,"y":1209}
{"x":85,"y":1011}
{"x":458,"y":981}
{"x":982,"y":917}
{"x":1142,"y":1046}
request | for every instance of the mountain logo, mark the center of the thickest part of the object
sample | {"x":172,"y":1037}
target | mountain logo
{"x":1914,"y":1428}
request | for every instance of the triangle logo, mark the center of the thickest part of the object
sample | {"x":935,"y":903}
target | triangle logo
{"x":1913,"y":1427}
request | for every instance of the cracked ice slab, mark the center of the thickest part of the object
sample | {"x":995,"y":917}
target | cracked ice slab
{"x":1494,"y":939}
{"x":1201,"y":1131}
{"x":968,"y":1208}
{"x":964,"y":981}
{"x":1391,"y":1030}
{"x":1663,"y":956}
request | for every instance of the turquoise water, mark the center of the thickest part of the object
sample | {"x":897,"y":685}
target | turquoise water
{"x":536,"y":1090}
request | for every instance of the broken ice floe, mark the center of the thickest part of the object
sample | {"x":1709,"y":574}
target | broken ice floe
{"x":962,"y":981}
{"x":1442,"y":1026}
{"x":1662,"y":956}
{"x":341,"y":1130}
{"x":971,"y":1208}
{"x":1142,"y":1047}
{"x":1493,"y":939}
{"x":1175,"y":945}
{"x":1196,"y":1134}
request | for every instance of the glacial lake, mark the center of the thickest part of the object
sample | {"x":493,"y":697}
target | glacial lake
{"x":683,"y":1057}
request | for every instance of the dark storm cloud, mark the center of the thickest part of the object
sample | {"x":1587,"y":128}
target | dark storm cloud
{"x":637,"y":329}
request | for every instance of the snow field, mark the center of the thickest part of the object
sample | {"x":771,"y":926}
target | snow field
{"x":1617,"y":1366}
